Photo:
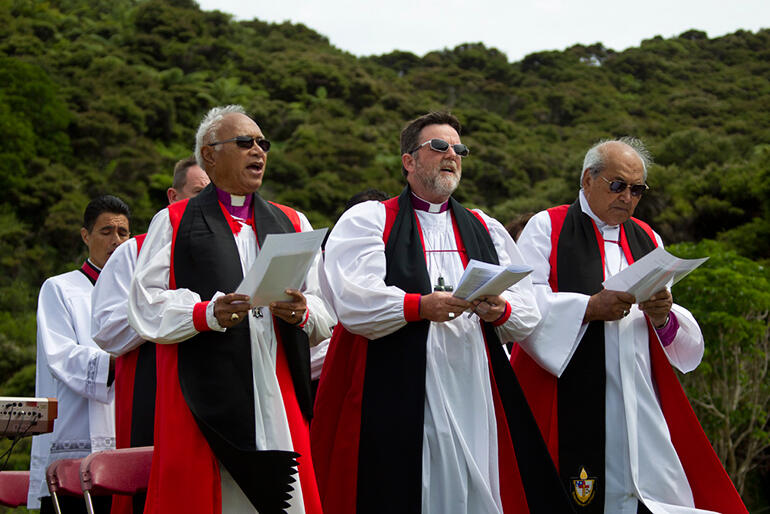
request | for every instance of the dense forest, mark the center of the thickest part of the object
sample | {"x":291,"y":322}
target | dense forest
{"x":104,"y":96}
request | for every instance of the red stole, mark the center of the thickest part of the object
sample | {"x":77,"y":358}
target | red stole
{"x":125,"y":375}
{"x":125,"y":370}
{"x":711,"y":486}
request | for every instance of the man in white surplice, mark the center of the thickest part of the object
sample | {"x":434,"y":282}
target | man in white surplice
{"x":642,"y":468}
{"x":218,"y":238}
{"x":70,"y":366}
{"x":459,"y":442}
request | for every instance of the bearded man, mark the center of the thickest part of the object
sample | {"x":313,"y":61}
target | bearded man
{"x":418,"y":409}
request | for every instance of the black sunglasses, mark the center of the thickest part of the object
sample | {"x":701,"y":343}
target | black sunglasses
{"x":440,"y":145}
{"x":618,"y":186}
{"x":246,"y":142}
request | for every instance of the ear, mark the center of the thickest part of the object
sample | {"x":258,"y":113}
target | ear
{"x":84,"y":235}
{"x":171,"y":193}
{"x":585,"y":182}
{"x":408,"y":161}
{"x":207,"y":152}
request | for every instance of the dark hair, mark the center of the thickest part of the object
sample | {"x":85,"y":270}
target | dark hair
{"x":180,"y":172}
{"x":411,"y":132}
{"x":515,"y":226}
{"x":104,"y":203}
{"x":363,"y":196}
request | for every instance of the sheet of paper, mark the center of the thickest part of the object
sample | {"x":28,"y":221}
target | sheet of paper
{"x":653,"y":272}
{"x":282,"y":263}
{"x":482,"y":279}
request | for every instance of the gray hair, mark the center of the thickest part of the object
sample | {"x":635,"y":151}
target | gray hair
{"x":207,"y":130}
{"x":594,"y":159}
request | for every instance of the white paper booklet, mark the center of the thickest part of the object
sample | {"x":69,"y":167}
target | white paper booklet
{"x":653,"y":272}
{"x":484,"y":279}
{"x":282,"y":263}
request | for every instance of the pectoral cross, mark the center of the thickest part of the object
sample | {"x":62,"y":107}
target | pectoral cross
{"x":257,"y":312}
{"x":441,"y":286}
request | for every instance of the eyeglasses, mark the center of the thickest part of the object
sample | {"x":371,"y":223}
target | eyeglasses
{"x":442,"y":146}
{"x":618,"y":186}
{"x":246,"y":142}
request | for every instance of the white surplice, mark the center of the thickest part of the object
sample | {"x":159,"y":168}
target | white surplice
{"x":459,"y":471}
{"x":640,"y":460}
{"x":73,"y":369}
{"x":109,"y":300}
{"x":164,"y":315}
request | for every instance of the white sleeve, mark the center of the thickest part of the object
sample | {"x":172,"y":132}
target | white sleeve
{"x":321,"y":318}
{"x":63,"y":328}
{"x":554,"y":341}
{"x":525,"y":314}
{"x":157,"y":313}
{"x":353,"y":278}
{"x":317,"y":357}
{"x":109,"y":303}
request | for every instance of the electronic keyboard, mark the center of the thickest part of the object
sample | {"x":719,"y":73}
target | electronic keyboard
{"x":26,"y":416}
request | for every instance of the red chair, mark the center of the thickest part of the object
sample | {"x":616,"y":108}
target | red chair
{"x":63,"y":477}
{"x":125,"y":471}
{"x":13,"y":488}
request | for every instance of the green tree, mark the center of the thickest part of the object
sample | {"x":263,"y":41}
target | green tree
{"x":730,"y":297}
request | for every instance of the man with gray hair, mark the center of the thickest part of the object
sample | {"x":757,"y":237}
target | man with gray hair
{"x":233,"y":392}
{"x":597,"y":371}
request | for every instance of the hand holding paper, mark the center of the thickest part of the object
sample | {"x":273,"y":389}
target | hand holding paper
{"x":484,"y":279}
{"x":652,"y":273}
{"x":282,"y":263}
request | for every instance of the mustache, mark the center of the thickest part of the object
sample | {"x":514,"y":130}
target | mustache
{"x":448,"y":164}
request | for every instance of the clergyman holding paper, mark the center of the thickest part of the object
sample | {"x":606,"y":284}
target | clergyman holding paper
{"x":233,"y":393}
{"x":418,"y":409}
{"x":598,"y":370}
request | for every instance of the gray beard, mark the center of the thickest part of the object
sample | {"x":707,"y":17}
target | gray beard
{"x":442,"y":185}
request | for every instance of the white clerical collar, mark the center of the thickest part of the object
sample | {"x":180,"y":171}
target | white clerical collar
{"x":422,"y":205}
{"x":97,"y":268}
{"x":601,"y":225}
{"x":237,"y":200}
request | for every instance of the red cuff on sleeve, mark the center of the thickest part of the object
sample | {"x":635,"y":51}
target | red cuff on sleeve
{"x":504,"y":316}
{"x":199,"y":317}
{"x":412,"y":306}
{"x":304,"y":321}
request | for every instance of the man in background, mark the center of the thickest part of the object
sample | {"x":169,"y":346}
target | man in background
{"x":135,"y":370}
{"x":70,"y":366}
{"x":189,"y":180}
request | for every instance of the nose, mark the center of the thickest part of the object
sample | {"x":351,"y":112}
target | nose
{"x":256,"y":148}
{"x":451,"y":153}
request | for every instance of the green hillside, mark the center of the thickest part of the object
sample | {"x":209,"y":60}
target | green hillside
{"x":104,"y":96}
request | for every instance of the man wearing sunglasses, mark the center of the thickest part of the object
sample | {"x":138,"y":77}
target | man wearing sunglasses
{"x":598,"y":370}
{"x":233,"y":389}
{"x":418,"y":409}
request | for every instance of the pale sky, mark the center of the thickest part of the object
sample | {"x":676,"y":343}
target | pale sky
{"x":515,"y":27}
